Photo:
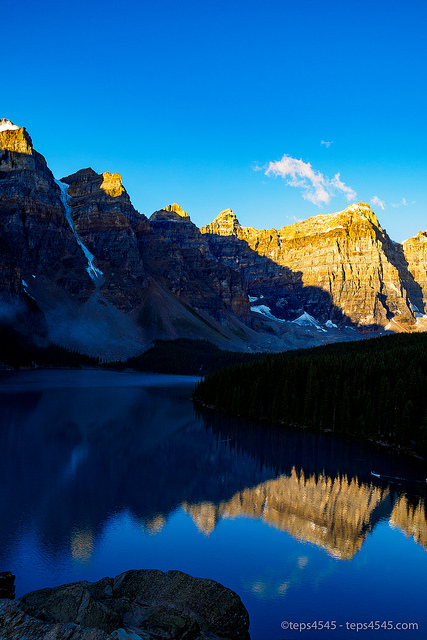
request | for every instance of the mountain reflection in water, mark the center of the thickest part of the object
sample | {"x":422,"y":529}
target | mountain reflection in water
{"x":335,"y":514}
{"x":105,"y":470}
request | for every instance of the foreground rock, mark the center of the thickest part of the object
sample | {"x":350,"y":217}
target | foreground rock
{"x":7,"y":586}
{"x":138,"y":604}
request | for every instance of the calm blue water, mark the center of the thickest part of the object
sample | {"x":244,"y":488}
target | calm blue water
{"x":101,"y":472}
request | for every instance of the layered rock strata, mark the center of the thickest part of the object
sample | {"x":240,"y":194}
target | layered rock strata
{"x":105,"y":221}
{"x":35,"y":237}
{"x":136,"y":255}
{"x":79,"y":261}
{"x":178,"y":255}
{"x":169,"y":248}
{"x":415,"y":255}
{"x":341,"y":267}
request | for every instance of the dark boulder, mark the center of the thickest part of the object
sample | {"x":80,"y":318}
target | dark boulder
{"x":137,"y":604}
{"x":7,"y":586}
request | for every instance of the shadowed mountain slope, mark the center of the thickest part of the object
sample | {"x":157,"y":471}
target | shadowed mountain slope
{"x":80,"y":267}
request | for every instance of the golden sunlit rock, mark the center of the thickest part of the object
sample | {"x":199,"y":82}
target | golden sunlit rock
{"x":176,"y":209}
{"x":14,"y":138}
{"x":342,"y":260}
{"x":112,"y":184}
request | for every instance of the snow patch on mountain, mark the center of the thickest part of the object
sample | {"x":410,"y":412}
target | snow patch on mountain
{"x":306,"y":320}
{"x":265,"y":311}
{"x":7,"y":125}
{"x":417,"y":313}
{"x":93,"y":271}
{"x":25,"y":285}
{"x":330,"y":324}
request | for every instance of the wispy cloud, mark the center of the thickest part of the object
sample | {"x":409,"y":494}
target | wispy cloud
{"x":316,"y":187}
{"x":402,"y":203}
{"x":327,"y":143}
{"x":379,"y":203}
{"x":336,"y":183}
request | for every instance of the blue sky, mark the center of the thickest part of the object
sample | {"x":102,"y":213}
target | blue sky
{"x":192,"y":102}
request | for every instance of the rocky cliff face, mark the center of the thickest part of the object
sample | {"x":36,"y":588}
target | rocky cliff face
{"x":178,"y":256}
{"x":82,"y":264}
{"x":105,"y":221}
{"x":38,"y":248}
{"x":415,"y":256}
{"x":103,"y":279}
{"x":341,"y":267}
{"x":35,"y":236}
{"x":130,"y":250}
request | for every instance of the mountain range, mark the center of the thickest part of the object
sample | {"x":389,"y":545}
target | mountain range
{"x":81,"y":268}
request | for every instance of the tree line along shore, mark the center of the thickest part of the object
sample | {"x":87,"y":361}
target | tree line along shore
{"x":374,"y":388}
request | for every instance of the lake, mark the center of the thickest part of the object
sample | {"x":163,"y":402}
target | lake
{"x":103,"y":472}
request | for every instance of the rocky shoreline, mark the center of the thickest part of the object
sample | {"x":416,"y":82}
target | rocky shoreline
{"x":142,"y":604}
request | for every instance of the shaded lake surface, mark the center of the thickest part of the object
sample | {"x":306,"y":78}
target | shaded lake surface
{"x":101,"y":472}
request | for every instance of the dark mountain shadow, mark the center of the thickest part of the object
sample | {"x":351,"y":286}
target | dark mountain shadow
{"x":394,"y":253}
{"x":206,"y":271}
{"x":175,"y":254}
{"x":279,"y":288}
{"x":201,"y":260}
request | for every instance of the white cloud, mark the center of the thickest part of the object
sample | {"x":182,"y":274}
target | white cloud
{"x":316,"y":187}
{"x":350,"y":193}
{"x":376,"y":201}
{"x":327,"y":143}
{"x":402,"y":203}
